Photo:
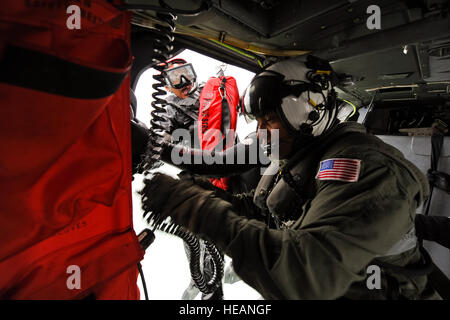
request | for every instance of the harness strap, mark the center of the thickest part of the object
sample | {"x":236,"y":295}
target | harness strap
{"x":436,"y":148}
{"x":51,"y":74}
{"x":414,"y":270}
{"x":226,"y":116}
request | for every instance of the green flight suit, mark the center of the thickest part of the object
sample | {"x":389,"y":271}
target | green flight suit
{"x":339,"y":230}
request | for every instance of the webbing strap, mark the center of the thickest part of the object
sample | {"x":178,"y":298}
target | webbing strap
{"x":36,"y":70}
{"x":436,"y":148}
{"x":226,"y":116}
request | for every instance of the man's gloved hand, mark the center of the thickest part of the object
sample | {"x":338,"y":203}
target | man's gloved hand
{"x":182,"y":200}
{"x":206,"y":184}
{"x":242,"y":203}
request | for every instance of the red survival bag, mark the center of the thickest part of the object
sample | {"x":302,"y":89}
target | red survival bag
{"x":65,"y":153}
{"x":217,"y":116}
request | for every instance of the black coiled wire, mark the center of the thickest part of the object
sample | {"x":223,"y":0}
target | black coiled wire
{"x":193,"y":243}
{"x":158,"y":123}
{"x":158,"y":126}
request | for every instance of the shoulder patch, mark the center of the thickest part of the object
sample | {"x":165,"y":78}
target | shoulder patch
{"x":340,"y":169}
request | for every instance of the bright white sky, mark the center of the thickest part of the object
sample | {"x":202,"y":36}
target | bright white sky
{"x":165,"y":265}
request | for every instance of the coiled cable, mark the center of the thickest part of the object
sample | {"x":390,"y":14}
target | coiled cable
{"x":193,"y":244}
{"x":158,"y":124}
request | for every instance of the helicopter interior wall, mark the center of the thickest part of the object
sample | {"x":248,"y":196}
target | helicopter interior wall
{"x":417,"y":149}
{"x":400,"y":116}
{"x":379,"y":69}
{"x":410,"y":73}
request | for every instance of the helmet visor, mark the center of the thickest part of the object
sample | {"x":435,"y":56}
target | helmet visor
{"x":262,"y":96}
{"x":181,"y":76}
{"x":245,"y":106}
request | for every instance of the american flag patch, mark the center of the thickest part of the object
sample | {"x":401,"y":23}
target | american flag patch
{"x":340,"y":169}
